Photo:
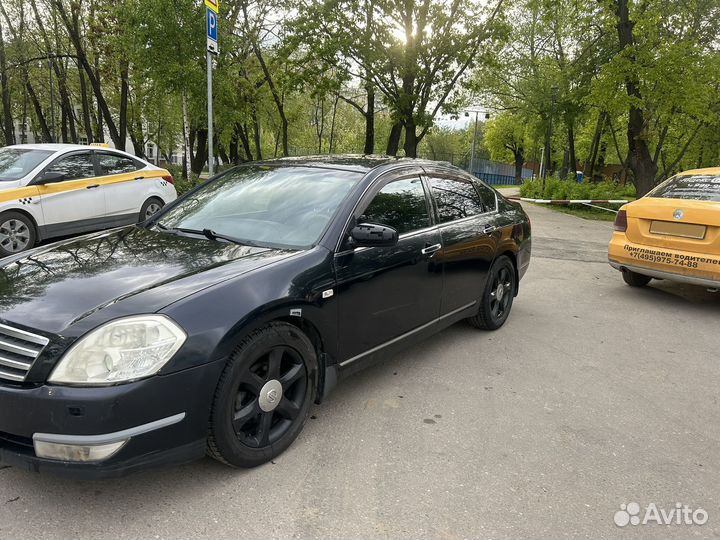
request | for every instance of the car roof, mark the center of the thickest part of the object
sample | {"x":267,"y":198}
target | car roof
{"x":351,"y":162}
{"x":65,"y":147}
{"x":706,"y":171}
{"x":52,"y":147}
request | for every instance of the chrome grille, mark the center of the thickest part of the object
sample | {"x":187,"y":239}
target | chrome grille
{"x":18,"y":350}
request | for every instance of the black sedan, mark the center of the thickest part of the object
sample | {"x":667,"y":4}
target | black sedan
{"x":212,"y":327}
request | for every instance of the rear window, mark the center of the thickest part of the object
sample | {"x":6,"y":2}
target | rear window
{"x":697,"y":187}
{"x":456,"y":199}
{"x":16,"y":163}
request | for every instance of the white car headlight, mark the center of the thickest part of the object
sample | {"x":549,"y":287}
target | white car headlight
{"x":120,"y":351}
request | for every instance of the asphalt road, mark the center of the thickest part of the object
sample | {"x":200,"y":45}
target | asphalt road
{"x":593,"y":395}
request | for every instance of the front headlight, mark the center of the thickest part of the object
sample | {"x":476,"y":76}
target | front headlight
{"x":120,"y":351}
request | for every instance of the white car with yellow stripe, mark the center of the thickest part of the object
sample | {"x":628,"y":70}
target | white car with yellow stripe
{"x":49,"y":190}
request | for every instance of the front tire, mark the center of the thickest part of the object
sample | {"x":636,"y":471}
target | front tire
{"x":263,"y":398}
{"x":497,"y":299}
{"x":634,"y":279}
{"x":149,"y":208}
{"x":17,"y":233}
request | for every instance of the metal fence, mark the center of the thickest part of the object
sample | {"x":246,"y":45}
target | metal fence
{"x":491,"y":172}
{"x":496,"y":173}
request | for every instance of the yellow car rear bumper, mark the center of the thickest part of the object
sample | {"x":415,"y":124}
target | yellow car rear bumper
{"x":664,"y":263}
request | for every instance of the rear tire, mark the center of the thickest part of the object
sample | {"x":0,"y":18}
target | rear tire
{"x":263,"y":398}
{"x":634,"y":279}
{"x":17,"y":233}
{"x":497,"y":299}
{"x":149,"y":208}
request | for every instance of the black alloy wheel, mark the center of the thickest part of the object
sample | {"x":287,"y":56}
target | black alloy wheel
{"x":263,"y":397}
{"x":269,"y":396}
{"x":497,"y":298}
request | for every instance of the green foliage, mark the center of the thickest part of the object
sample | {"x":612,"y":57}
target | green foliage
{"x":556,"y":189}
{"x":505,"y":136}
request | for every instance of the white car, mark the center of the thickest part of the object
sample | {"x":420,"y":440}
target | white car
{"x":49,"y":190}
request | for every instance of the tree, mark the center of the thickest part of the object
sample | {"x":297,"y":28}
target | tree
{"x":415,"y":53}
{"x":506,"y":138}
{"x":8,"y":129}
{"x":666,"y":65}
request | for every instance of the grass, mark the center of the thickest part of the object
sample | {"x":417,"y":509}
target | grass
{"x":505,"y":186}
{"x":582,"y":211}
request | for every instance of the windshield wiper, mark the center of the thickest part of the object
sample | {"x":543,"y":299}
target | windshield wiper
{"x":212,"y":235}
{"x":209,"y":234}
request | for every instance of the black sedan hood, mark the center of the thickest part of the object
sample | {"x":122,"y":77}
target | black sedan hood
{"x":52,"y":288}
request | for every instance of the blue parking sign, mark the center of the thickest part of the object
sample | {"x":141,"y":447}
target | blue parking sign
{"x":212,"y":25}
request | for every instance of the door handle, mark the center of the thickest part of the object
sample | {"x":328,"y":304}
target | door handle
{"x":430,"y":249}
{"x":139,"y":178}
{"x":92,"y":186}
{"x":489,"y":229}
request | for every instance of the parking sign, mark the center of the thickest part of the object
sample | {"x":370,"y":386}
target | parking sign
{"x":212,"y":31}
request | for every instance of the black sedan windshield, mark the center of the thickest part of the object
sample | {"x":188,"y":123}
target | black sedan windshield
{"x":283,"y":206}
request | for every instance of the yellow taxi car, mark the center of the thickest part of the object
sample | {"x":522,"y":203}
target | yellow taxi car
{"x":671,"y":233}
{"x":50,"y":190}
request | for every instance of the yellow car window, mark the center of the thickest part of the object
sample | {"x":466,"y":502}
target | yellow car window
{"x":695,"y":187}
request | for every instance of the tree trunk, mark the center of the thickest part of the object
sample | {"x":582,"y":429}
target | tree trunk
{"x":99,"y":124}
{"x":87,"y":122}
{"x":572,"y":157}
{"x":124,"y":90}
{"x":200,"y":156}
{"x":394,"y":139}
{"x":63,"y":123}
{"x":519,"y":162}
{"x":641,"y":161}
{"x":332,"y":125}
{"x":256,"y":134}
{"x":595,"y":145}
{"x":564,"y":166}
{"x":547,"y":152}
{"x":411,"y":139}
{"x":370,"y":121}
{"x":601,"y":159}
{"x":44,"y":130}
{"x":187,"y":149}
{"x":243,"y":133}
{"x":234,"y":156}
{"x":320,"y":122}
{"x":222,"y":152}
{"x":66,"y":104}
{"x":7,"y":124}
{"x":138,"y":140}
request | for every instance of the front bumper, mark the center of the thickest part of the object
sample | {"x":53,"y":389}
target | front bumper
{"x":664,"y":263}
{"x":163,"y":417}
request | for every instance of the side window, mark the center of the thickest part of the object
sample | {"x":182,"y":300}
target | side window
{"x":487,"y":196}
{"x":456,"y":199}
{"x":115,"y":164}
{"x":74,"y":167}
{"x":400,"y":204}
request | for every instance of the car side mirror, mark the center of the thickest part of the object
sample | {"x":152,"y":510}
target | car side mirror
{"x":373,"y":235}
{"x":49,"y":178}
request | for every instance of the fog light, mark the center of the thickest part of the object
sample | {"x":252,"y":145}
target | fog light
{"x":76,"y":452}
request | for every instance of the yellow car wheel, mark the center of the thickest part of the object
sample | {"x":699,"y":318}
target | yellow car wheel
{"x":634,"y":279}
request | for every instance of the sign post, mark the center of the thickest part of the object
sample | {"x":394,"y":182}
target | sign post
{"x":212,"y":49}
